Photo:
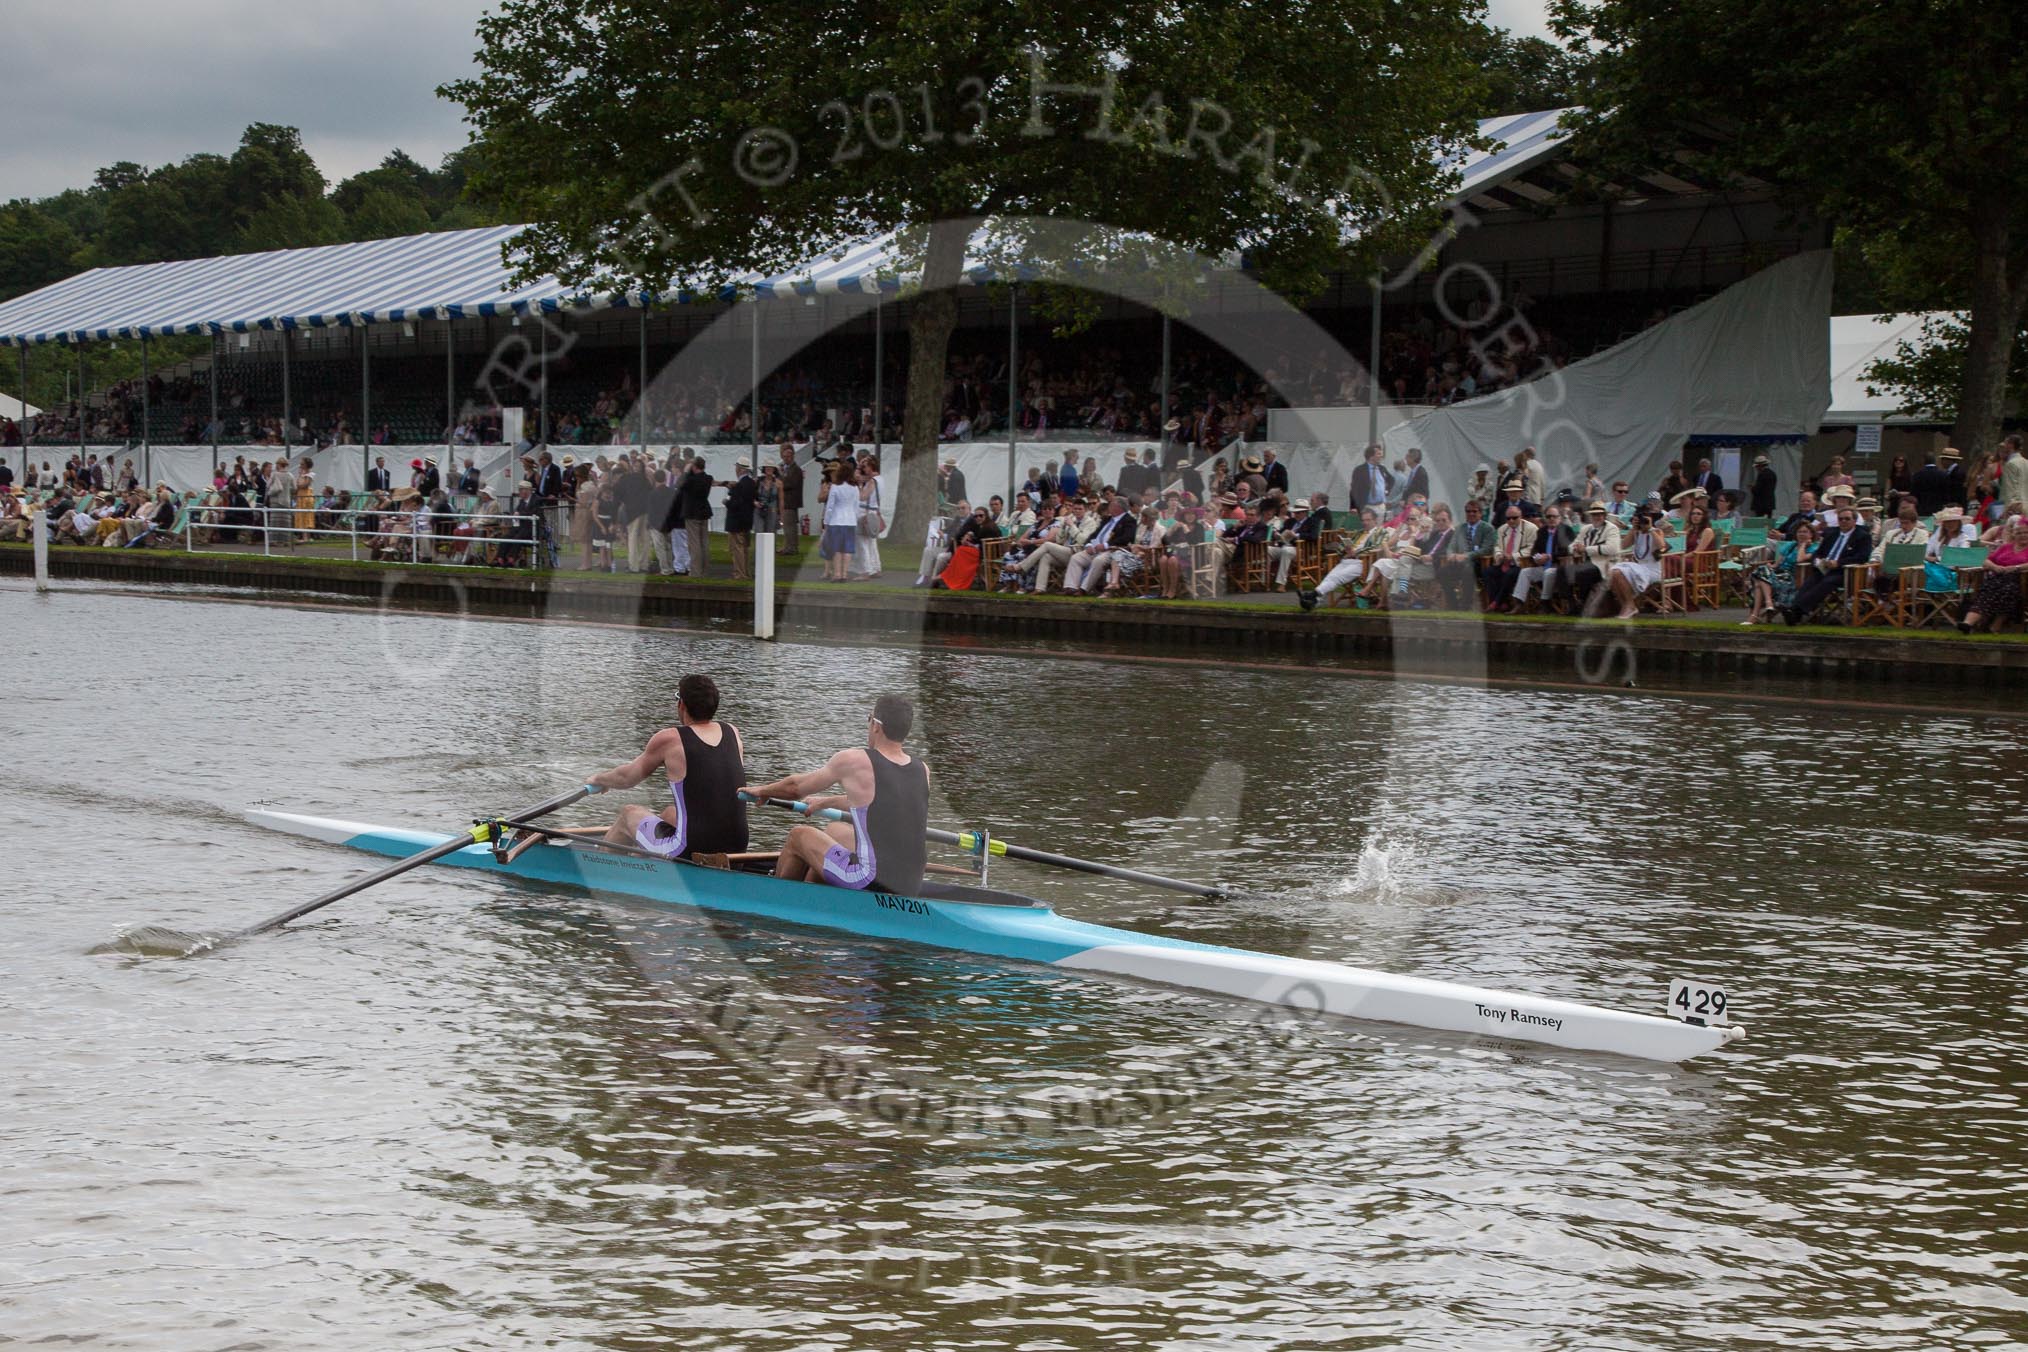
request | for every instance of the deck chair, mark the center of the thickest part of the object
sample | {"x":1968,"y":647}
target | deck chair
{"x":1887,"y":598}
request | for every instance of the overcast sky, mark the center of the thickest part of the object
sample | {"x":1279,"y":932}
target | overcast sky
{"x":93,"y":82}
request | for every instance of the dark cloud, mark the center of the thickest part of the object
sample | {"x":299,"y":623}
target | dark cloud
{"x":92,"y":82}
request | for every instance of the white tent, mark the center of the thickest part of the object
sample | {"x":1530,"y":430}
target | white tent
{"x":1752,"y":362}
{"x":10,"y":407}
{"x":1857,"y":341}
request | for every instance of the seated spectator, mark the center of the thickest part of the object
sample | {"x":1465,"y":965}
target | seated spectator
{"x":1019,"y":551}
{"x":149,"y":520}
{"x":1512,"y":545}
{"x":963,"y":569}
{"x":1999,"y":593}
{"x":1824,"y":574}
{"x":13,"y":520}
{"x":1369,"y":540}
{"x":1128,"y":561}
{"x":1544,"y":559}
{"x":1641,"y":567}
{"x":1771,"y":578}
{"x":939,"y":539}
{"x":1596,"y":548}
{"x":1115,"y":530}
{"x":1075,"y":526}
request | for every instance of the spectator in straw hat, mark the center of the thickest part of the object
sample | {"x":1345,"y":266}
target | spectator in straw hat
{"x":1952,"y":461}
{"x":1763,"y":491}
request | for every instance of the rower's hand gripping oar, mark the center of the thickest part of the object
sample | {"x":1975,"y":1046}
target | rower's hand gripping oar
{"x":970,"y":841}
{"x":479,"y":835}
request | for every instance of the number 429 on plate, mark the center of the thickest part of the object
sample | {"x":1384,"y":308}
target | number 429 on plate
{"x":1698,"y":1002}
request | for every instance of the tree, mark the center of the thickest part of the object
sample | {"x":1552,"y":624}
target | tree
{"x":292,"y":223}
{"x":1887,"y":118}
{"x":662,"y":144}
{"x":387,"y":213}
{"x":36,"y":249}
{"x":1528,"y":75}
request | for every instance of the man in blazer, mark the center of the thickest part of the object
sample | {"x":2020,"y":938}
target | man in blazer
{"x":1707,"y":479}
{"x":1763,"y":503}
{"x":1848,"y":543}
{"x":742,"y":495}
{"x":1418,"y":476}
{"x":1371,"y":483}
{"x":792,"y":501}
{"x":1545,"y":559}
{"x":378,"y":480}
{"x":1115,"y":532}
{"x":1596,"y":548}
{"x":1274,"y":471}
{"x":1512,"y":545}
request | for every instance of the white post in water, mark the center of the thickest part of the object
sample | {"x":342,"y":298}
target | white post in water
{"x":37,"y":533}
{"x":764,"y":585}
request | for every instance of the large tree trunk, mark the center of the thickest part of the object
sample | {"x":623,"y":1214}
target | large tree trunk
{"x":1996,"y":303}
{"x":930,"y":324}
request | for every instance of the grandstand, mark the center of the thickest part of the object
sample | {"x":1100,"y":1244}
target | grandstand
{"x":393,"y":339}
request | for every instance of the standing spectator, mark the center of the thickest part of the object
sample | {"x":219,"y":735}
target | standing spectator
{"x":1417,"y":484}
{"x":1931,"y":486}
{"x":378,"y":480}
{"x":768,"y":515}
{"x":661,"y":497}
{"x":2013,"y":470}
{"x":1371,"y":484}
{"x":741,"y":497}
{"x":865,"y":560}
{"x":1764,"y":485}
{"x":792,"y":501}
{"x":693,"y":505}
{"x":838,"y":496}
{"x":630,"y":514}
{"x":1952,"y":461}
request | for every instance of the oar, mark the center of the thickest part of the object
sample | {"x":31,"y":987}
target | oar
{"x":969,"y":841}
{"x":477,"y":835}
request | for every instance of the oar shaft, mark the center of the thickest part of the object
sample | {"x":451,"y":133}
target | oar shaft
{"x":968,"y":842}
{"x":401,"y":866}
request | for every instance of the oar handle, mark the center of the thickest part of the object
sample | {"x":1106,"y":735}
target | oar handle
{"x":477,"y":835}
{"x":829,"y":814}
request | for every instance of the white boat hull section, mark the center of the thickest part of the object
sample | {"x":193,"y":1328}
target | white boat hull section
{"x":1385,"y":997}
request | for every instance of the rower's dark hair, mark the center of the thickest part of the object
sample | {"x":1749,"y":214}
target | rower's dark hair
{"x":699,"y":695}
{"x":896,"y":716}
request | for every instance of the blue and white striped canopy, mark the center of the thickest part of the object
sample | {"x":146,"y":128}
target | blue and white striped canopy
{"x":459,"y":274}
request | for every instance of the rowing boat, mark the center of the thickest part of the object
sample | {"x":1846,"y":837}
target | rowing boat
{"x":971,"y":919}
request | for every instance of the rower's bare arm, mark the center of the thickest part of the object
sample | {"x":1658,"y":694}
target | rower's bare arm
{"x":838,"y":770}
{"x":664,"y":748}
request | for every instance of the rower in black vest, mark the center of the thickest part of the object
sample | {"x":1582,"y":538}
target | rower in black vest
{"x":705,"y":764}
{"x":885,"y":793}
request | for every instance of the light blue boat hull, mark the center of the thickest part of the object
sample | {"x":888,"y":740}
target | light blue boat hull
{"x":1038,"y":934}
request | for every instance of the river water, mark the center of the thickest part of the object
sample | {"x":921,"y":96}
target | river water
{"x":450,"y":1113}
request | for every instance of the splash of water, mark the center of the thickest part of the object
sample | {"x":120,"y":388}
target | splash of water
{"x":156,"y":941}
{"x":1385,"y":871}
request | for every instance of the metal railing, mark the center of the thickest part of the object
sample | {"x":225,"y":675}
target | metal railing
{"x":400,"y":545}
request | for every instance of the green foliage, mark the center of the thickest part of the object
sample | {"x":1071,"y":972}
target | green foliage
{"x":1853,"y":117}
{"x":1927,"y":375}
{"x":1528,"y":75}
{"x":904,"y":113}
{"x":268,"y":194}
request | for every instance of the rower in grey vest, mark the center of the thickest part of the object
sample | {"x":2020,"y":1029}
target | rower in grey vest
{"x":884,"y":791}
